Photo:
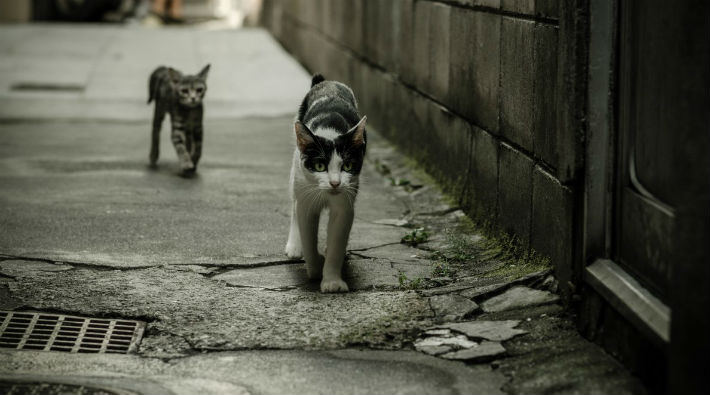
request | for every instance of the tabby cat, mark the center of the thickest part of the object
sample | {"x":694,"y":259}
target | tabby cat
{"x":330,"y":148}
{"x":180,"y":96}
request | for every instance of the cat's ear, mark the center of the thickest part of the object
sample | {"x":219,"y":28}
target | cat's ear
{"x":358,"y":132}
{"x":203,"y":73}
{"x":304,"y":137}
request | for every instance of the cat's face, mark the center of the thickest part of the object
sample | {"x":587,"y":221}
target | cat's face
{"x":191,"y":89}
{"x":332,"y":161}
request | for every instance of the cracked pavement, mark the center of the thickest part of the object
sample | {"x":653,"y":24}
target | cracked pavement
{"x":88,"y":229}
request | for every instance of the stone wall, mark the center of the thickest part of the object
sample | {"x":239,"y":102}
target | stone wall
{"x":486,"y":94}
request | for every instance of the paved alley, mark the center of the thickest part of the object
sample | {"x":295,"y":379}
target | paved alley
{"x":87,"y":229}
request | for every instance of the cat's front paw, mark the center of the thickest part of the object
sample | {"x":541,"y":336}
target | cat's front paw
{"x":293,"y":250}
{"x":333,"y":285}
{"x":187,"y":166}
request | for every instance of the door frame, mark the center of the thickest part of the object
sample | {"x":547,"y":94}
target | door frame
{"x":619,"y":288}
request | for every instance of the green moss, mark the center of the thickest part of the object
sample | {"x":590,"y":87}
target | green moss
{"x":492,"y":246}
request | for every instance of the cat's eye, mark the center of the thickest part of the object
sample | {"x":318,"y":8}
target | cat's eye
{"x":184,"y":91}
{"x":199,"y":90}
{"x":319,"y":166}
{"x":347,"y":166}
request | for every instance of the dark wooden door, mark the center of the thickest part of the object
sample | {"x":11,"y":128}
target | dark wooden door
{"x":662,"y":199}
{"x":647,"y":178}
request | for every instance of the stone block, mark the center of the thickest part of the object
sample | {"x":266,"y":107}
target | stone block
{"x":404,"y":40}
{"x":374,"y":97}
{"x":421,"y":63}
{"x":528,"y":85}
{"x":290,"y":37}
{"x":386,"y":33}
{"x":481,"y":197}
{"x":448,"y":148}
{"x":377,"y":29}
{"x":518,"y":297}
{"x":329,"y":18}
{"x":475,"y":65}
{"x":405,"y":120}
{"x":516,"y":82}
{"x":545,"y":141}
{"x":480,"y":3}
{"x":452,"y":307}
{"x":552,"y":216}
{"x":497,"y":331}
{"x":314,"y":51}
{"x":545,"y":8}
{"x":484,"y":352}
{"x":439,"y":46}
{"x":515,"y":193}
{"x":352,"y":22}
{"x":338,"y":63}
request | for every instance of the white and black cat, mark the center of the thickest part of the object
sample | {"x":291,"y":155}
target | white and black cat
{"x":180,"y":96}
{"x":330,"y":149}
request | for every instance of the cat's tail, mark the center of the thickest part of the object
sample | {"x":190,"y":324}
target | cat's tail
{"x":317,"y":79}
{"x":153,"y":83}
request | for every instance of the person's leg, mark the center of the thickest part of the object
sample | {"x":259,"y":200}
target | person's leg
{"x":175,"y":10}
{"x":158,"y":7}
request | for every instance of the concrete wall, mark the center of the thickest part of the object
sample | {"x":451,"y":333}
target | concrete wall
{"x":484,"y":93}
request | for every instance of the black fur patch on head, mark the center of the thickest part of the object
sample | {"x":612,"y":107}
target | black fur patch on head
{"x":316,"y":149}
{"x":322,"y":149}
{"x":317,"y":79}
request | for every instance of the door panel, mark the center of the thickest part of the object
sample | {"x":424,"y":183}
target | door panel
{"x":647,"y":181}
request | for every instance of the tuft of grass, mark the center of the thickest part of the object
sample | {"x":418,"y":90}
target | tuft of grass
{"x":463,"y":250}
{"x":415,"y":237}
{"x":441,"y":268}
{"x":406,"y":283}
{"x":382,"y":168}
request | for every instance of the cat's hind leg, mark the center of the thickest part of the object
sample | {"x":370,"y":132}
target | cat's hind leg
{"x":158,"y":116}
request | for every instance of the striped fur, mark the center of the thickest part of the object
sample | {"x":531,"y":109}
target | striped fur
{"x":180,"y":96}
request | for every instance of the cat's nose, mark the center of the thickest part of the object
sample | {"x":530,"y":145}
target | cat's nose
{"x":334,"y":184}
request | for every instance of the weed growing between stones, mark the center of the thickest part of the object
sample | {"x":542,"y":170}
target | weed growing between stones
{"x":415,"y":237}
{"x":406,"y":283}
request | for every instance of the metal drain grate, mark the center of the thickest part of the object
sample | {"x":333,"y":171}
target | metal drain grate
{"x":57,"y":332}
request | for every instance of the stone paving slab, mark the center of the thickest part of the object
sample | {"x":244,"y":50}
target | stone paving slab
{"x":518,"y":297}
{"x":483,"y":351}
{"x":452,"y":307}
{"x":263,"y":372}
{"x":489,"y":330}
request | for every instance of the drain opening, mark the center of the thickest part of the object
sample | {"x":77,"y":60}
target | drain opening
{"x":58,"y":332}
{"x":46,"y":87}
